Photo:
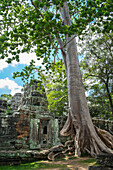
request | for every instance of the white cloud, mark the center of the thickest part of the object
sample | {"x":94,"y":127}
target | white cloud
{"x":3,"y":64}
{"x":12,"y":85}
{"x":25,"y":58}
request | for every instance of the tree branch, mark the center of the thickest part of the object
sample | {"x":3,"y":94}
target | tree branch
{"x":69,"y":41}
{"x":92,"y":75}
{"x":62,"y":50}
{"x":36,"y":8}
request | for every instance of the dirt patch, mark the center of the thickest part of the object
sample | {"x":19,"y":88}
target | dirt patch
{"x":73,"y":163}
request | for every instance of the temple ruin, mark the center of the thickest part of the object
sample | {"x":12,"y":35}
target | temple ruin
{"x":28,"y":129}
{"x":29,"y":125}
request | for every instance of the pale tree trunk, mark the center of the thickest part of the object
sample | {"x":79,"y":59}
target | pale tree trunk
{"x":87,"y":137}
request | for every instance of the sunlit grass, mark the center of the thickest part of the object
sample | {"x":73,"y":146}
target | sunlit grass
{"x":89,"y":162}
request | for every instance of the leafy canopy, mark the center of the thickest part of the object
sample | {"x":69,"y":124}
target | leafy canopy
{"x":34,"y":27}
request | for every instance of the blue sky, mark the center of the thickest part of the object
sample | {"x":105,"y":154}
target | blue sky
{"x":8,"y":85}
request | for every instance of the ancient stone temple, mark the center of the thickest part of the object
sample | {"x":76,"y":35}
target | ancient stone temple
{"x":31,"y":126}
{"x":15,"y":101}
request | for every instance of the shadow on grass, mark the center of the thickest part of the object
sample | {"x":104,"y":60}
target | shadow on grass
{"x":33,"y":166}
{"x":51,"y":165}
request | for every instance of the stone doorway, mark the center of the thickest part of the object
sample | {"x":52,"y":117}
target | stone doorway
{"x":40,"y":133}
{"x":44,"y":132}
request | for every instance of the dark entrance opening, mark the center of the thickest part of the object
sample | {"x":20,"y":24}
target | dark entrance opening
{"x":45,"y":130}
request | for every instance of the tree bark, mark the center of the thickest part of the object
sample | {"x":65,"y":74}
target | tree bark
{"x":109,"y":97}
{"x":86,"y":137}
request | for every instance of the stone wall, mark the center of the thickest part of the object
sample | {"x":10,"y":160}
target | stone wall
{"x":28,"y":130}
{"x":103,"y":124}
{"x":33,"y":99}
{"x":8,"y":132}
{"x":10,"y":106}
{"x":15,"y":101}
{"x":3,"y":106}
{"x":23,"y":130}
{"x":14,"y":131}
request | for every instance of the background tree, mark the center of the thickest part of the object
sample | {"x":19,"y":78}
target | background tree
{"x":56,"y":87}
{"x":47,"y":27}
{"x":6,"y":96}
{"x":97,"y":66}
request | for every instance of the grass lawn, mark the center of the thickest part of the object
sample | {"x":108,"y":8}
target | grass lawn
{"x":33,"y":166}
{"x":59,"y":164}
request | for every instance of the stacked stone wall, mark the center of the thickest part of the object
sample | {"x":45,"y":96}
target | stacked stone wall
{"x":103,"y":124}
{"x":3,"y":106}
{"x":14,"y":131}
{"x":8,"y":132}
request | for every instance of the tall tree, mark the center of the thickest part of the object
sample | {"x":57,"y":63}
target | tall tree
{"x":48,"y":25}
{"x":97,"y":63}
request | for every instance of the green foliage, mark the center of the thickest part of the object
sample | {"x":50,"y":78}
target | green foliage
{"x":22,"y":26}
{"x":55,"y":83}
{"x":57,"y":98}
{"x":6,"y":96}
{"x":27,"y":72}
{"x":32,"y":166}
{"x":98,"y":102}
{"x":98,"y":72}
{"x":7,"y":111}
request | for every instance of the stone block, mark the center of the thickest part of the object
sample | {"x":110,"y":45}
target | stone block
{"x":99,"y":168}
{"x":105,"y":159}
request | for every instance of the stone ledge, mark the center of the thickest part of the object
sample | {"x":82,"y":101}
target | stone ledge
{"x":105,"y":159}
{"x":100,"y":168}
{"x":21,"y":156}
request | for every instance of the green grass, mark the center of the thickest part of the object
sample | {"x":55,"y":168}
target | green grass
{"x":33,"y":166}
{"x":48,"y":165}
{"x":90,"y":160}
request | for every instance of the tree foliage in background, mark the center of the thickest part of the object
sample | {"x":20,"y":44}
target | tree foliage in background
{"x":47,"y":27}
{"x":98,"y":102}
{"x":97,"y":66}
{"x":56,"y":86}
{"x":6,"y":96}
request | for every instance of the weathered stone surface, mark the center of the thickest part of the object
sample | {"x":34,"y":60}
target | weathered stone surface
{"x":34,"y":127}
{"x":15,"y":101}
{"x":105,"y":159}
{"x":33,"y":97}
{"x":99,"y":168}
{"x":8,"y":132}
{"x":104,"y":124}
{"x":22,"y":156}
{"x":3,"y":106}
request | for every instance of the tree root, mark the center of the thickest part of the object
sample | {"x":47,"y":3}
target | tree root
{"x":105,"y":136}
{"x":61,"y":150}
{"x":92,"y":147}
